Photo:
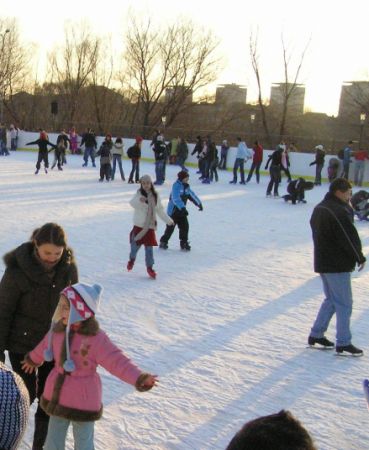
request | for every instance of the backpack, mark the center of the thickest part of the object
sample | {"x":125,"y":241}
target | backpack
{"x":129,"y":152}
{"x":341,"y":153}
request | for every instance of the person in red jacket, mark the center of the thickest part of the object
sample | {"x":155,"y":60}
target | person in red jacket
{"x":256,"y":162}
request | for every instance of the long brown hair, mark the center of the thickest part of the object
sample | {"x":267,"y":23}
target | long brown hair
{"x":50,"y":233}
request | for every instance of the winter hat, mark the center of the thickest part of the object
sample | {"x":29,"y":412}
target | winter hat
{"x":138,"y":139}
{"x":14,"y":408}
{"x":319,"y":147}
{"x":182,"y":175}
{"x":146,"y":178}
{"x":84,"y":301}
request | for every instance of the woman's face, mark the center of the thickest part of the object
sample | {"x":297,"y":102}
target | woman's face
{"x":146,"y":185}
{"x":49,"y":254}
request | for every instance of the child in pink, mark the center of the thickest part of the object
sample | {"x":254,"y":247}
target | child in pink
{"x":73,"y":390}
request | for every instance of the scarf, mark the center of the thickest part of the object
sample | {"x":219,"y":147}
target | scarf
{"x":150,"y":217}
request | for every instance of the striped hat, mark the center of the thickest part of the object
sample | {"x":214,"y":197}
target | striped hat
{"x":14,"y":408}
{"x":84,"y":301}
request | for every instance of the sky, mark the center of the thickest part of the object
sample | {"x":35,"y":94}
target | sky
{"x":336,"y":32}
{"x":224,"y":326}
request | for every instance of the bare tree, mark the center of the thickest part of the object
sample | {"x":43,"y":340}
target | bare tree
{"x":73,"y":64}
{"x":253,"y":47}
{"x":14,"y":66}
{"x":166,"y":67}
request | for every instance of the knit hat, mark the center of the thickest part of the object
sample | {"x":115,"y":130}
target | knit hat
{"x":138,"y":139}
{"x":319,"y":147}
{"x":14,"y":408}
{"x":146,"y":178}
{"x":84,"y":301}
{"x":182,"y":175}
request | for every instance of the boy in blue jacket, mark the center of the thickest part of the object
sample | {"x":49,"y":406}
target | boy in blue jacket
{"x":181,"y":192}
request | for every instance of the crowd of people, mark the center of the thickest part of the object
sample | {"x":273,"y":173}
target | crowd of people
{"x":44,"y":344}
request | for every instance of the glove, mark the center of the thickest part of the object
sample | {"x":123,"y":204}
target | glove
{"x":311,"y":164}
{"x":201,"y":208}
{"x":184,"y":212}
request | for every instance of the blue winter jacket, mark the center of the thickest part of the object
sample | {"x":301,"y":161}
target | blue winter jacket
{"x":181,"y":192}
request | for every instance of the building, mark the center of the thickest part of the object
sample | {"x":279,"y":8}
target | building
{"x":354,"y":100}
{"x":231,"y":93}
{"x":178,"y":92}
{"x":296,"y":99}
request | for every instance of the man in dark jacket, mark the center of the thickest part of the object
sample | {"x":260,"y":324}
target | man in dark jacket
{"x":89,"y":140}
{"x":160,"y":152}
{"x":337,"y":250}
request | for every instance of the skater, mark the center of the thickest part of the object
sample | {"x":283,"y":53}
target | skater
{"x":35,"y":273}
{"x":256,"y":162}
{"x":105,"y":158}
{"x":281,"y":431}
{"x":118,"y":153}
{"x":43,"y":152}
{"x":160,"y":152}
{"x":296,"y":190}
{"x":209,"y":155}
{"x":3,"y":141}
{"x":243,"y":154}
{"x":337,"y":250}
{"x":214,"y":164}
{"x":134,"y":153}
{"x":346,"y":159}
{"x":275,"y":171}
{"x":61,"y":147}
{"x":319,"y":162}
{"x":359,"y":168}
{"x":73,"y":141}
{"x":197,"y":151}
{"x":182,"y":153}
{"x":89,"y":140}
{"x":147,"y":205}
{"x":360,"y":204}
{"x":223,"y":155}
{"x":181,"y":192}
{"x":285,"y":166}
{"x":78,"y":346}
{"x":333,"y":168}
{"x":14,"y":134}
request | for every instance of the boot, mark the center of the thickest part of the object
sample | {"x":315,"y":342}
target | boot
{"x":151,"y":272}
{"x":130,"y":264}
{"x":185,"y":246}
{"x":163,"y":245}
{"x":39,"y":436}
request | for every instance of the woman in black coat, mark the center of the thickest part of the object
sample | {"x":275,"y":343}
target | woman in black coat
{"x":35,"y":274}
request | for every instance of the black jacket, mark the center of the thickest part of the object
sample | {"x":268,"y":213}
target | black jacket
{"x":28,"y":297}
{"x":89,"y":140}
{"x":337,"y":246}
{"x":42,"y":144}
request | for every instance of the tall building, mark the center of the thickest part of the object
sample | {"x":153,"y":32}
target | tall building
{"x":231,"y":93}
{"x":354,"y":100}
{"x":296,"y":100}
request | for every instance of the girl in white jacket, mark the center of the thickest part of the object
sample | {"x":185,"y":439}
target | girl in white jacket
{"x":147,"y":204}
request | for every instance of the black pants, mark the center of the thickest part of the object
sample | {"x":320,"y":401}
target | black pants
{"x":105,"y":171}
{"x":135,"y":170}
{"x":275,"y":179}
{"x":42,"y":156}
{"x":35,"y":383}
{"x":256,"y":167}
{"x":183,"y":227}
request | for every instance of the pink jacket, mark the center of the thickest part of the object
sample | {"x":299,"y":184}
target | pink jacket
{"x":78,"y":395}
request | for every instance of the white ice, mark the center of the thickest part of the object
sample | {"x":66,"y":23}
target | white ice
{"x":224,"y":326}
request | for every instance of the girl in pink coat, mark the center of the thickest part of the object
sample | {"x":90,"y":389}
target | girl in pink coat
{"x":73,"y":391}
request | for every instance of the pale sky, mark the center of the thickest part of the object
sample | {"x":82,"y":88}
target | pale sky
{"x":338,"y":30}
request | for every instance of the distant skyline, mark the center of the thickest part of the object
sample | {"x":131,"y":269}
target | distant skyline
{"x":337,"y":29}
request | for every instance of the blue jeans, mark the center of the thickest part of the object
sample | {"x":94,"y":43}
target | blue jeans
{"x":159,"y":171}
{"x":83,"y":434}
{"x":359,"y":172}
{"x":239,"y":163}
{"x":338,"y":299}
{"x":89,"y":152}
{"x":117,"y":159}
{"x":149,"y":253}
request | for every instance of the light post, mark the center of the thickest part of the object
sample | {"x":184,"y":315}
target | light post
{"x":163,"y":121}
{"x":2,"y":74}
{"x":252,"y":120}
{"x":362,"y":123}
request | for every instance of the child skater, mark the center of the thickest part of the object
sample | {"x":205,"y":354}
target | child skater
{"x":72,"y":391}
{"x":105,"y":158}
{"x":147,"y":204}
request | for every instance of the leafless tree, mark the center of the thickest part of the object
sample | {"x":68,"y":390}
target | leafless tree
{"x":73,"y":64}
{"x":167,"y":66}
{"x":14,"y":66}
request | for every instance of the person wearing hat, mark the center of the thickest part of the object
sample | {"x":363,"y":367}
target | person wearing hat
{"x":14,"y":408}
{"x":35,"y":272}
{"x":78,"y":346}
{"x":319,"y":162}
{"x":147,"y":205}
{"x":134,"y":154}
{"x":181,"y":192}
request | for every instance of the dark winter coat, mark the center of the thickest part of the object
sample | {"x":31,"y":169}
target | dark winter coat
{"x":62,"y":141}
{"x":29,"y":295}
{"x":134,"y":152}
{"x":89,"y":140}
{"x":337,"y":246}
{"x":105,"y":152}
{"x":160,"y":151}
{"x":275,"y":158}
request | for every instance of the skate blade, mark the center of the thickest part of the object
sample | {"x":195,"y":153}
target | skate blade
{"x":313,"y":347}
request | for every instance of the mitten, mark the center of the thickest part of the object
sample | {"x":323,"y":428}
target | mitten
{"x":140,"y":383}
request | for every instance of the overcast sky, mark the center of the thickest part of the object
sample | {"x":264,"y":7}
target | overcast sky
{"x":338,"y":50}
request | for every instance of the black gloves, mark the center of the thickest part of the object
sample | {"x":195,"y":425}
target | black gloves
{"x":201,"y":208}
